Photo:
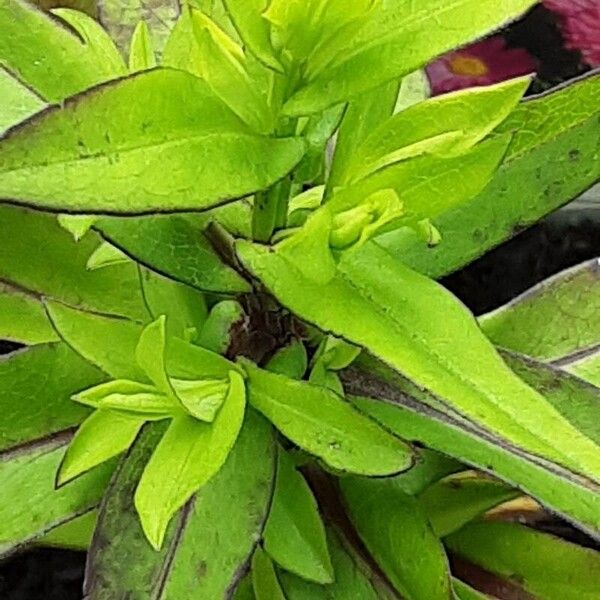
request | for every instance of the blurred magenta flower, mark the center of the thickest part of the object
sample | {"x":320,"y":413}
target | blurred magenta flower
{"x":483,"y":63}
{"x":580,"y":20}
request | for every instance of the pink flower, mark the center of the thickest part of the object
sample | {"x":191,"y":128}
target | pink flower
{"x":483,"y":63}
{"x":580,"y":20}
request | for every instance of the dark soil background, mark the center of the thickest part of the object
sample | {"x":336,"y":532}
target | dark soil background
{"x":558,"y":242}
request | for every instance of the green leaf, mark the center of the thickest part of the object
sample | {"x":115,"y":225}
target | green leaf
{"x":324,"y":424}
{"x":576,"y":400}
{"x":353,"y":578}
{"x":545,"y":566}
{"x":228,"y":513}
{"x":588,"y":368}
{"x":201,"y":399}
{"x":555,"y":318}
{"x":571,"y":497}
{"x":191,"y":259}
{"x":98,"y":43}
{"x":128,"y":397}
{"x":396,"y":42}
{"x":247,"y":16}
{"x":38,"y":256}
{"x":141,"y":50}
{"x":107,"y":342}
{"x":216,"y":334}
{"x":77,"y":225}
{"x":428,"y":184}
{"x":23,"y":318}
{"x":465,"y":592}
{"x":363,"y":114}
{"x":38,"y":417}
{"x":294,"y":535}
{"x":472,"y":113}
{"x":430,"y":467}
{"x":75,"y":534}
{"x":383,"y":310}
{"x":104,"y":434}
{"x":31,"y":506}
{"x":37,"y":384}
{"x":291,"y":361}
{"x":189,"y":454}
{"x":409,"y":552}
{"x":201,"y":46}
{"x":150,"y":355}
{"x":456,"y":500}
{"x":244,"y":589}
{"x":184,"y":307}
{"x":47,"y":55}
{"x":121,"y":17}
{"x":73,"y":159}
{"x":105,"y":255}
{"x":264,"y":580}
{"x":551,"y":160}
{"x":18,"y":101}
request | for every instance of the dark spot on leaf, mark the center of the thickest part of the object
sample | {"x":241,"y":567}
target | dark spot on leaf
{"x":574,"y":155}
{"x":202,"y":569}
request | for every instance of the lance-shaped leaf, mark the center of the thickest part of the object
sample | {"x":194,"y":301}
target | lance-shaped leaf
{"x":294,"y":535}
{"x":47,"y":54}
{"x":18,"y":101}
{"x":575,"y":399}
{"x":377,"y":302}
{"x":353,"y":578}
{"x":545,"y":566}
{"x":550,"y":161}
{"x":39,"y":256}
{"x":556,"y":318}
{"x":573,"y":498}
{"x":586,"y":367}
{"x":75,"y":534}
{"x":396,"y":531}
{"x":141,"y":50}
{"x":362,"y":115}
{"x":200,"y":46}
{"x":395,"y":42}
{"x":98,"y":43}
{"x":324,"y":424}
{"x":106,"y":342}
{"x":106,"y":255}
{"x":291,"y":360}
{"x":170,"y":145}
{"x":247,"y":16}
{"x":103,"y":435}
{"x":191,"y":259}
{"x":37,"y":425}
{"x":129,"y":397}
{"x":208,"y":543}
{"x":31,"y":506}
{"x":264,"y":579}
{"x":121,"y":17}
{"x":23,"y":318}
{"x":188,"y":455}
{"x":472,"y":114}
{"x":110,"y":343}
{"x":184,"y":307}
{"x":455,"y":501}
{"x":428,"y":185}
{"x":37,"y":384}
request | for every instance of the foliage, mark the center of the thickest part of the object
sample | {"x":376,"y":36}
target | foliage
{"x":240,"y":377}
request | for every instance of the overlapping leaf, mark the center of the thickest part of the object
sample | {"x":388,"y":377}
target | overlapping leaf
{"x":143,"y":158}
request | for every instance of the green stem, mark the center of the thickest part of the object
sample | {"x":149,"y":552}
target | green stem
{"x":270,"y":210}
